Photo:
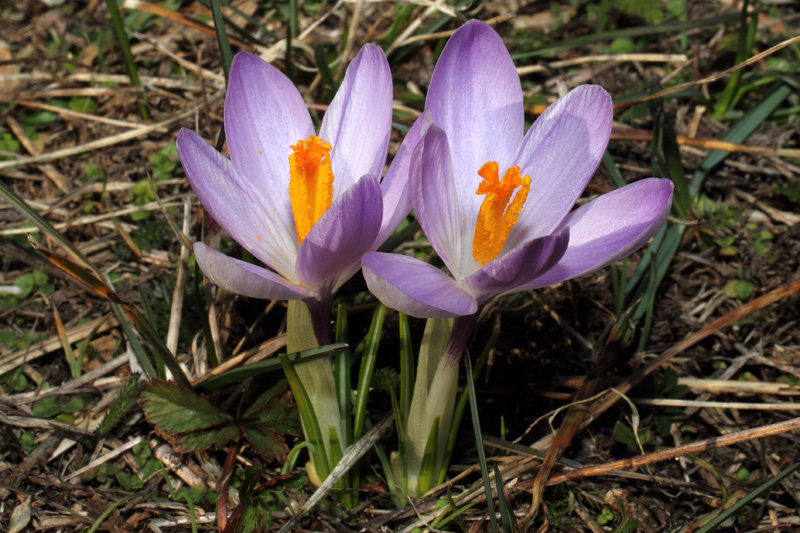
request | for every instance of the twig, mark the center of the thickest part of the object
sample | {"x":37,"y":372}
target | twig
{"x":696,"y":447}
{"x":105,"y":458}
{"x":180,"y":281}
{"x":106,"y":141}
{"x":352,"y":454}
{"x":672,"y":402}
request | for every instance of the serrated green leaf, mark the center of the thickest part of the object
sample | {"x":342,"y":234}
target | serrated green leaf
{"x":177,"y":410}
{"x":197,"y":441}
{"x":266,"y":442}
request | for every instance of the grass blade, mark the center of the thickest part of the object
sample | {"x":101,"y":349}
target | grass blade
{"x":476,"y":425}
{"x":236,"y":375}
{"x":505,"y":512}
{"x":739,"y":133}
{"x":368,"y":358}
{"x":127,"y":56}
{"x":406,"y":366}
{"x":461,"y":403}
{"x":739,"y":505}
{"x":222,"y":37}
{"x":307,"y":416}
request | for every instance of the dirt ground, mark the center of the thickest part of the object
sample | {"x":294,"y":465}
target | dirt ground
{"x":717,"y":356}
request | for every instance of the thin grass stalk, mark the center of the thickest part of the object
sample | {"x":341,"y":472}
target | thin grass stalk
{"x":476,"y":426}
{"x":368,"y":358}
{"x":127,"y":56}
{"x":222,"y":38}
{"x":341,"y":362}
{"x":461,"y":404}
{"x":738,"y":133}
{"x":406,"y":366}
{"x":733,"y":510}
{"x":502,"y":503}
{"x":344,"y":394}
{"x":746,"y":34}
{"x":667,"y":27}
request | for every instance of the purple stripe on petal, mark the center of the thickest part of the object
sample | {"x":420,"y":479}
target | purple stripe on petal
{"x":414,"y":287}
{"x":331,"y":252}
{"x":611,"y":227}
{"x":560,"y":153}
{"x":476,"y":98}
{"x":517,"y":267}
{"x":394,"y":187}
{"x":432,"y":190}
{"x":264,"y":116}
{"x":358,"y":121}
{"x":237,"y":205}
{"x":244,"y":278}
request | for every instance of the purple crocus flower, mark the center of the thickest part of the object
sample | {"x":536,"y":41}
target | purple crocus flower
{"x":498,"y":236}
{"x":306,"y":205}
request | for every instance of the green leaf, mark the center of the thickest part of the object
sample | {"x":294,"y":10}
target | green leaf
{"x":197,"y":441}
{"x":26,"y":283}
{"x":276,"y":412}
{"x":623,"y":45}
{"x":47,"y":407}
{"x":266,"y":442}
{"x":191,"y":418}
{"x":82,"y":104}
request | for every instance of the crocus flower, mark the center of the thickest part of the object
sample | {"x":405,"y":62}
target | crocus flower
{"x":306,"y":205}
{"x":496,"y":203}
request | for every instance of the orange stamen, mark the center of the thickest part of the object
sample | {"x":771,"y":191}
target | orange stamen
{"x":496,"y":216}
{"x":310,"y":183}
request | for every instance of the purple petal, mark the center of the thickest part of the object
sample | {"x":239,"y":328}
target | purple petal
{"x":237,"y":205}
{"x":358,"y":121}
{"x":264,"y":116}
{"x":432,"y":190}
{"x":611,"y":227}
{"x":476,"y":98}
{"x":244,"y":278}
{"x":331,"y":252}
{"x":414,"y":287}
{"x":394,"y":187}
{"x":560,"y":153}
{"x":517,"y":267}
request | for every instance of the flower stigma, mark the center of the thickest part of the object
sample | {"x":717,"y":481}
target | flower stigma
{"x":310,"y":183}
{"x":496,"y":216}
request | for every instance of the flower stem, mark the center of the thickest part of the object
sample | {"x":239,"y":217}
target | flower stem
{"x":306,"y":323}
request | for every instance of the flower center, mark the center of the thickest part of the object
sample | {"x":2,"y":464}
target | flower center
{"x":310,"y":183}
{"x":497,"y":216}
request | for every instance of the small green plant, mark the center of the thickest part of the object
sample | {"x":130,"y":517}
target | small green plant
{"x":606,"y":516}
{"x":194,"y":424}
{"x":259,"y":496}
{"x":27,"y":284}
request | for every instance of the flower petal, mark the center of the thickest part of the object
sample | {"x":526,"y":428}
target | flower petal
{"x":394,"y":187}
{"x":331,"y":252}
{"x":244,"y":278}
{"x":517,"y":267}
{"x":560,"y":153}
{"x":414,"y":287}
{"x":432,"y":189}
{"x":358,"y":121}
{"x":264,"y":116}
{"x":237,"y":205}
{"x":476,"y":98}
{"x":611,"y":227}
